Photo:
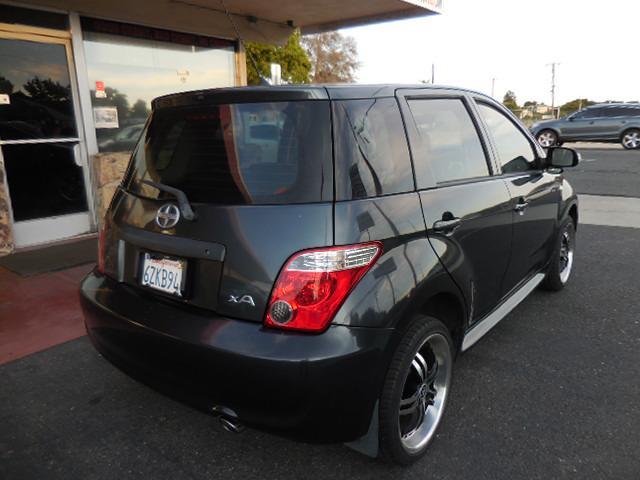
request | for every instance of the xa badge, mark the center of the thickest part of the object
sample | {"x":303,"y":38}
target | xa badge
{"x":241,"y":299}
{"x":167,"y":216}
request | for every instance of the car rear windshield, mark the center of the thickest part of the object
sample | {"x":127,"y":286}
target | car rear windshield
{"x":245,"y":153}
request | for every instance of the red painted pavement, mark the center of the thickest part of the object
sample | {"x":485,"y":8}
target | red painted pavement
{"x":39,"y":312}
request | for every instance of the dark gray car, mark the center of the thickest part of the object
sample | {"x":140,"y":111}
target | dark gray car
{"x":611,"y":122}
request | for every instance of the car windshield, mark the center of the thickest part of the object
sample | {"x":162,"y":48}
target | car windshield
{"x":247,"y":153}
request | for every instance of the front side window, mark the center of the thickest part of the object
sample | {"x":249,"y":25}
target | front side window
{"x":582,"y":114}
{"x":239,"y":154}
{"x":514,"y":150}
{"x":589,"y":113}
{"x":371,"y":152}
{"x":449,"y":142}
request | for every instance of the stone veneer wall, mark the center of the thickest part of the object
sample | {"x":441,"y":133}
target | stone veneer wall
{"x":6,"y":234}
{"x":108,"y":169}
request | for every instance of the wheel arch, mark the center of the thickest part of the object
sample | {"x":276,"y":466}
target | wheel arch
{"x":449,"y":309}
{"x":628,"y":129}
{"x":573,"y":213}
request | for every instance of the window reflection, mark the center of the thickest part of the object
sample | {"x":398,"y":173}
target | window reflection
{"x":35,"y":78}
{"x":125,"y":74}
{"x":514,"y":150}
{"x":371,"y":148}
{"x":450,"y":141}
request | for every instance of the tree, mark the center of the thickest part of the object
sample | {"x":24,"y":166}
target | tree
{"x":139,"y":109}
{"x":510,"y":101}
{"x":334,"y":57}
{"x":575,"y":105}
{"x":5,"y":86}
{"x":291,"y":57}
{"x":46,"y":90}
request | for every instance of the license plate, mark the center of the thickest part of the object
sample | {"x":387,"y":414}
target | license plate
{"x":163,"y":273}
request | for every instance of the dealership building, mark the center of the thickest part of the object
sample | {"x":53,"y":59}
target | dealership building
{"x":77,"y":78}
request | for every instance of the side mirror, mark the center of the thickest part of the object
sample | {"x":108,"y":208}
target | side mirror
{"x":561,"y":157}
{"x":571,"y":118}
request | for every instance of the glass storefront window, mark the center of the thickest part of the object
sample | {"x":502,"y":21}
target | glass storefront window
{"x":35,"y":91}
{"x":126,"y":73}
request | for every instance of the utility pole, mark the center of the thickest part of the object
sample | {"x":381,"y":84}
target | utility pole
{"x":493,"y":87}
{"x":433,"y":73}
{"x":553,"y":86}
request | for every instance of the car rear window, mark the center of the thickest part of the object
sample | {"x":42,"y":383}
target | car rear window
{"x":245,"y":153}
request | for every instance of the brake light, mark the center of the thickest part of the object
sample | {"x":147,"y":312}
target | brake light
{"x":101,"y":249}
{"x":314,"y":283}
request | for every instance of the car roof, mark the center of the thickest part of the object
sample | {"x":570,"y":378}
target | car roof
{"x":296,"y":92}
{"x":617,"y":104}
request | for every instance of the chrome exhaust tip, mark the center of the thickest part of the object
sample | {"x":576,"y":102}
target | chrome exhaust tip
{"x":231,"y":425}
{"x":227,"y":418}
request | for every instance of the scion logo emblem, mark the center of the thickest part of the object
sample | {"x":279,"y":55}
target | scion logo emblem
{"x":167,"y":216}
{"x":241,"y":299}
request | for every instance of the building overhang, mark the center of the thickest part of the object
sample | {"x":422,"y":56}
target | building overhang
{"x":267,"y":22}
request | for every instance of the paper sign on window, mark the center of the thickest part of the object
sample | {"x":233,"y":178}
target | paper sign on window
{"x":105,"y":117}
{"x":100,"y":92}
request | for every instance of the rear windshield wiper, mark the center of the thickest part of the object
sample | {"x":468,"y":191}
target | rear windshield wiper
{"x":183,"y":201}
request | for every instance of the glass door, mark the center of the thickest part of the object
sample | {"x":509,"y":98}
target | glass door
{"x":41,"y":139}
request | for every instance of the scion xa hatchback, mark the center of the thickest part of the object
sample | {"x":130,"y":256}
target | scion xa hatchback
{"x":310,"y":259}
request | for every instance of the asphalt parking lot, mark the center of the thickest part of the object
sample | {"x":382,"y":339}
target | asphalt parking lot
{"x":610,"y":171}
{"x":552,"y":392}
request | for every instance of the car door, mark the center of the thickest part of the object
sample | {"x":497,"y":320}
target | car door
{"x":614,"y":121}
{"x":467,"y":210}
{"x":582,"y":125}
{"x":535,"y":193}
{"x":607,"y":124}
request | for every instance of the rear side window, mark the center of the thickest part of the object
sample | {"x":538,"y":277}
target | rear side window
{"x":449,"y":141}
{"x":371,"y":152}
{"x":514,"y":150}
{"x":249,"y":153}
{"x":623,"y":111}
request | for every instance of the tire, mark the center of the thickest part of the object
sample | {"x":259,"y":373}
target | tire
{"x":418,"y":380}
{"x":630,"y":139}
{"x":547,"y":138}
{"x":562,"y":261}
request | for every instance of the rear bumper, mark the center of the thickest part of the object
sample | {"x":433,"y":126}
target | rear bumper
{"x":312,"y":387}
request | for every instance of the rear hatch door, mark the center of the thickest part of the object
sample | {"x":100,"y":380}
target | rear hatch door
{"x":257,"y":174}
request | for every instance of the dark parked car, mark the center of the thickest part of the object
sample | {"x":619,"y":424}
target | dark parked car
{"x":323,"y":288}
{"x":612,"y":122}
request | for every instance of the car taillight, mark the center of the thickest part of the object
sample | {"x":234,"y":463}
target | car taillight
{"x":314,"y":283}
{"x":101,"y":249}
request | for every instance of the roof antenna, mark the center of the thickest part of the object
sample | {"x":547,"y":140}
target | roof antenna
{"x":263,"y":81}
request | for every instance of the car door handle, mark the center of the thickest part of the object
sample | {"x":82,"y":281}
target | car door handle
{"x":521,"y":206}
{"x":446,"y":226}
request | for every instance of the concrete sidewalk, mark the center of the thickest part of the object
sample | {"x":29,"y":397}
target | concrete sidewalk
{"x":594,"y":146}
{"x":610,"y":211}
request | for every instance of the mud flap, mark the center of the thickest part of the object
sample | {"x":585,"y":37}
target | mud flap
{"x":368,"y":443}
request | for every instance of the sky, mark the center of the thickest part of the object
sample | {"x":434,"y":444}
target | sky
{"x":474,"y":41}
